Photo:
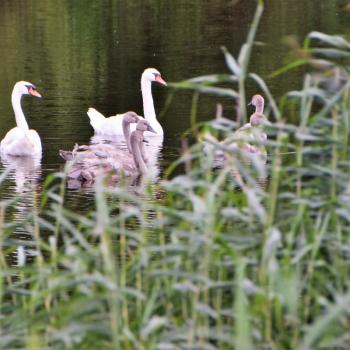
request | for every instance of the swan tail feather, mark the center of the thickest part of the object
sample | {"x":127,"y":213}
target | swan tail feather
{"x":96,"y":118}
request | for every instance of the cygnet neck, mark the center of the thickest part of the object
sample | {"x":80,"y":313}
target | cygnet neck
{"x":135,"y":139}
{"x":259,"y":107}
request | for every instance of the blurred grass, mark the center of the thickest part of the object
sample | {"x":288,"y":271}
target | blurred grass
{"x":244,"y":256}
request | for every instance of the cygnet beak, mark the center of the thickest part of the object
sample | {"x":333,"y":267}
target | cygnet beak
{"x":160,"y":80}
{"x":149,"y":128}
{"x":34,"y":92}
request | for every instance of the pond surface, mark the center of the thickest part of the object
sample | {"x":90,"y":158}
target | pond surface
{"x":91,"y":53}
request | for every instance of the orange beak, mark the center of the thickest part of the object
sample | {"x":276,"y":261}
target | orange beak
{"x":160,"y":80}
{"x":34,"y":92}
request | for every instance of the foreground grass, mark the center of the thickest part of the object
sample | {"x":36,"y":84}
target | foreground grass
{"x":240,"y":257}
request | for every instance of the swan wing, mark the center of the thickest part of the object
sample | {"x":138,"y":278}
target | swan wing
{"x":87,"y":162}
{"x":96,"y":118}
{"x":34,"y":139}
{"x":20,"y":142}
{"x":112,"y":126}
{"x":94,"y":113}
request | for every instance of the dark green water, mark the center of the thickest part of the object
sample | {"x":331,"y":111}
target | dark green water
{"x":86,"y":53}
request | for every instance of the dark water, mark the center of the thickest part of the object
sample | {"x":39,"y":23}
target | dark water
{"x":86,"y":53}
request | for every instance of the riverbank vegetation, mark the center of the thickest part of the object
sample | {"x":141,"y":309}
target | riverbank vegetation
{"x":243,"y":256}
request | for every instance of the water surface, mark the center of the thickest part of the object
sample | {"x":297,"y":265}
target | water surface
{"x":91,"y":53}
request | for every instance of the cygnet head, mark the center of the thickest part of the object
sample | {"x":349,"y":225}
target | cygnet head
{"x":143,"y":125}
{"x":131,"y":117}
{"x":257,"y":100}
{"x":26,"y":88}
{"x":153,"y":75}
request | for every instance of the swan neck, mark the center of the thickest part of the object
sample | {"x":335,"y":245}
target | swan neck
{"x":17,"y":108}
{"x":135,"y":140}
{"x":148,"y":106}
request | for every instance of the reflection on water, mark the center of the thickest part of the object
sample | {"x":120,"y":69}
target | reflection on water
{"x":88,"y":53}
{"x":24,"y":175}
{"x":25,"y":172}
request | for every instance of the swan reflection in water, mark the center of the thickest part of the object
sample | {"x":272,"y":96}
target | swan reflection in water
{"x":24,"y":174}
{"x":24,"y":171}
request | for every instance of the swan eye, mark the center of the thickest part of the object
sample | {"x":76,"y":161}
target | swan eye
{"x":156,"y":75}
{"x":31,"y":87}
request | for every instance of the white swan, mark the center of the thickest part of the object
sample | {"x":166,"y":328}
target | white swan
{"x":113,"y":125}
{"x":20,"y":140}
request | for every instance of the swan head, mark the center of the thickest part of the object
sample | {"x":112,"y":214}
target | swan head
{"x":257,"y":100}
{"x":153,"y":75}
{"x":26,"y":88}
{"x":131,"y":117}
{"x":143,"y":125}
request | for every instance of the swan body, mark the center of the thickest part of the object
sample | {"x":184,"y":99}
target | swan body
{"x":106,"y":126}
{"x":113,"y":125}
{"x":251,"y":136}
{"x":88,"y":162}
{"x":20,"y":140}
